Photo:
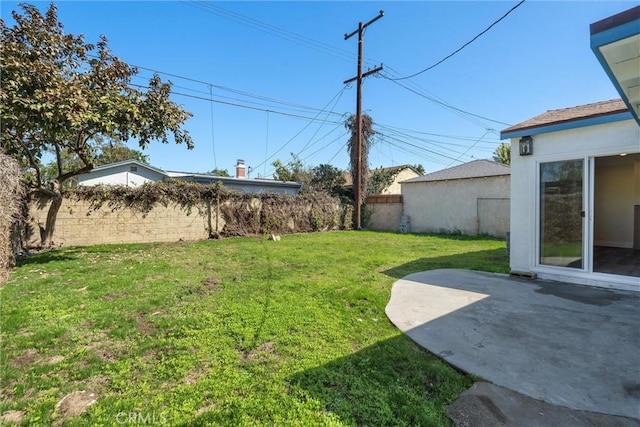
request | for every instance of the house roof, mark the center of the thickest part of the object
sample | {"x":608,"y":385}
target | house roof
{"x":348,"y":180}
{"x":129,"y":162}
{"x":199,"y":177}
{"x":473,"y":169}
{"x":565,"y":118}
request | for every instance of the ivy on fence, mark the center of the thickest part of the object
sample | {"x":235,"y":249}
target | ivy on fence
{"x":229,"y":213}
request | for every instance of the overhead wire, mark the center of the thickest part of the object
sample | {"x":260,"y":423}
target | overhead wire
{"x":337,"y":99}
{"x":469,"y":149}
{"x":202,"y":98}
{"x":463,"y":46}
{"x":445,"y":104}
{"x":274,"y":30}
{"x":300,"y":131}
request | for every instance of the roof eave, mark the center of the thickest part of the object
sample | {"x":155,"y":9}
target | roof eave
{"x":567,"y":124}
{"x":624,"y":25}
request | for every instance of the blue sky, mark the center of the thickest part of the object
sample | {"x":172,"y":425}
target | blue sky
{"x":291,"y":59}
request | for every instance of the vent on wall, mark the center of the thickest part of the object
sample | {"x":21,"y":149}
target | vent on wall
{"x":133,"y":169}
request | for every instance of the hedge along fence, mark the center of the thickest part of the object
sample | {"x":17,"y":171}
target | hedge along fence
{"x":11,"y":199}
{"x":227,"y":213}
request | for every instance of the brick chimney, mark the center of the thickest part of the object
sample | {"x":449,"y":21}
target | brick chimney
{"x":240,"y":169}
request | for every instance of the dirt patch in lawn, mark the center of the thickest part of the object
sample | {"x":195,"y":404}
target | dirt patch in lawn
{"x":52,"y":360}
{"x":111,"y":297}
{"x":98,"y":382}
{"x":12,"y":417}
{"x":74,"y":404}
{"x":260,"y":353}
{"x":193,"y":376}
{"x":27,"y":359}
{"x":144,"y":326}
{"x":211,"y":284}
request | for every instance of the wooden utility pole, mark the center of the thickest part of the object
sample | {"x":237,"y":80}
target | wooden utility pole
{"x":357,"y":179}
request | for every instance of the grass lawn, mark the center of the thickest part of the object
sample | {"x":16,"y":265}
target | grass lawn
{"x":241,"y":331}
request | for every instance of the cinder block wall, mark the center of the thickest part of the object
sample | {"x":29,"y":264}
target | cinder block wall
{"x":161,"y":224}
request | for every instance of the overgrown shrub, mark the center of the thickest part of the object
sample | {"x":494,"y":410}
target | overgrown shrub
{"x":241,"y":214}
{"x":11,"y":198}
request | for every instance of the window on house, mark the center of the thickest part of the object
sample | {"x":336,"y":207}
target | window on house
{"x":133,"y":169}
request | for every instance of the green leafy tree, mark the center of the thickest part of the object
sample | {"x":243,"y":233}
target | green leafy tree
{"x":294,"y":170}
{"x":419,"y":168}
{"x":503,"y":154}
{"x":220,"y":172}
{"x":328,"y":178}
{"x":380,"y":179}
{"x":60,"y":93}
{"x":117,"y":151}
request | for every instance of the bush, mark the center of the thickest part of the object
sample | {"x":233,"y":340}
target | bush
{"x":11,"y":198}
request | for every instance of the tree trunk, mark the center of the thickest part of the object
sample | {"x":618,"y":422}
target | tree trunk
{"x":52,"y":215}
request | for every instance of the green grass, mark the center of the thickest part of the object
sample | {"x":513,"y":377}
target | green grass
{"x":241,"y":331}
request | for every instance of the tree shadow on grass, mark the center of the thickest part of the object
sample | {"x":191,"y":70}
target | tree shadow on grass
{"x":393,"y":382}
{"x":493,"y":260}
{"x":45,"y":257}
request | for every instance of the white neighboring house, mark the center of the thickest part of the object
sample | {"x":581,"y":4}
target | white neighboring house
{"x":575,"y":176}
{"x":472,"y":199}
{"x":133,"y":173}
{"x":130,"y":173}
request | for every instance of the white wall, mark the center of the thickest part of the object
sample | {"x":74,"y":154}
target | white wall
{"x":597,"y":140}
{"x":613,"y":204}
{"x":120,"y":175}
{"x":452,"y":206}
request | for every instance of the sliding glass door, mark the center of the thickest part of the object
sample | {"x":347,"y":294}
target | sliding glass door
{"x":562,"y":207}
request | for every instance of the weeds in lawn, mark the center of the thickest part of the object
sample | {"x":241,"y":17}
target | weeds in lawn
{"x":230,"y":332}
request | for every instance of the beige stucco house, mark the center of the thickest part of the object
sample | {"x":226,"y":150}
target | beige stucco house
{"x":472,"y":198}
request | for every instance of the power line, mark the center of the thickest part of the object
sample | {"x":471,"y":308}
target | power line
{"x":469,"y":149}
{"x":419,"y":147}
{"x":292,"y":105}
{"x":464,"y":45}
{"x":302,"y":130}
{"x":440,"y":144}
{"x":273,"y":30}
{"x":310,"y":119}
{"x":323,"y":122}
{"x":444,"y":104}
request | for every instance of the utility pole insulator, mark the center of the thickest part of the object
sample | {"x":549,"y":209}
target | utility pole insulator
{"x":357,"y":179}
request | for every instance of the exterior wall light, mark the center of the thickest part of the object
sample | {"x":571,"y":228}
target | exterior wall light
{"x":526,"y":146}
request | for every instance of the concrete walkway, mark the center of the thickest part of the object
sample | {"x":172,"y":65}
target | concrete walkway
{"x":568,"y":345}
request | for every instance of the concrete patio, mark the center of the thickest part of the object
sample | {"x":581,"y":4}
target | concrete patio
{"x":573,"y":346}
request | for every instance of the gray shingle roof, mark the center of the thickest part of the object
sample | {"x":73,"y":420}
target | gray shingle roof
{"x":474,"y":169}
{"x":570,"y":114}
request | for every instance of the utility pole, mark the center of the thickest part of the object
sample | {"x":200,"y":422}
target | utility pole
{"x":357,"y":179}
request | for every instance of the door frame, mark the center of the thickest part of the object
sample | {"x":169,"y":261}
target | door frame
{"x":587,"y":223}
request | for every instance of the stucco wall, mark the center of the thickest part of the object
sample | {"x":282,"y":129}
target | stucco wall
{"x":459,"y":206}
{"x":395,"y":187}
{"x":591,"y":141}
